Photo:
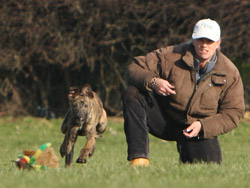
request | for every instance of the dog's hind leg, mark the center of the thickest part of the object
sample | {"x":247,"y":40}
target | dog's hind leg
{"x":70,"y":143}
{"x":102,"y":125}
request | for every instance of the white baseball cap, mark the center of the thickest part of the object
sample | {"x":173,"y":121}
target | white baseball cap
{"x":207,"y":28}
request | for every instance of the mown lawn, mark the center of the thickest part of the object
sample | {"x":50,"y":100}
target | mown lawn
{"x":108,"y":166}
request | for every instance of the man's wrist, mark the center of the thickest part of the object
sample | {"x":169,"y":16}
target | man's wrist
{"x":153,"y":82}
{"x":201,"y":133}
{"x":201,"y":126}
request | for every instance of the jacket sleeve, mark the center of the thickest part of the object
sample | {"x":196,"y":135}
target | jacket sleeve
{"x":143,"y":68}
{"x":230,"y":111}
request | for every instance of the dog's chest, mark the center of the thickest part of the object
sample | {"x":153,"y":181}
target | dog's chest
{"x":81,"y":128}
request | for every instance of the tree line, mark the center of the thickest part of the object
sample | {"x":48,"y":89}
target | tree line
{"x":49,"y":45}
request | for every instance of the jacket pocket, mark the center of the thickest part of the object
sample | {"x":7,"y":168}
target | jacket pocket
{"x":209,"y":100}
{"x":210,"y":97}
{"x":218,"y":80}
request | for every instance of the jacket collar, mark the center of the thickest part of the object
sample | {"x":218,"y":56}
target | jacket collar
{"x":188,"y":58}
{"x":219,"y":67}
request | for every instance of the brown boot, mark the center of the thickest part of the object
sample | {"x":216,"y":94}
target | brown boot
{"x":140,"y":162}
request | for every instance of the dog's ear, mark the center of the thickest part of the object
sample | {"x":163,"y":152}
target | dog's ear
{"x":87,"y":91}
{"x":73,"y":91}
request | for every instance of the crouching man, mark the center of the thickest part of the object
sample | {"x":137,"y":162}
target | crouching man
{"x":189,"y":93}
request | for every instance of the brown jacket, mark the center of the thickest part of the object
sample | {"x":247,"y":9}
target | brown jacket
{"x":217,"y":101}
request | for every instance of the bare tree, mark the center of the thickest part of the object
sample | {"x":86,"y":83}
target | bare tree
{"x":48,"y":46}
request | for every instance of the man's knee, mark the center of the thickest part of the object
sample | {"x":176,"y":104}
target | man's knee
{"x":192,"y":151}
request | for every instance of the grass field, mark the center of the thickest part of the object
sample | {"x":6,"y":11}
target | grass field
{"x":108,"y":166}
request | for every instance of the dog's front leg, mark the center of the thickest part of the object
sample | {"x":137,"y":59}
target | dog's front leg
{"x":63,"y":147}
{"x":70,"y":142}
{"x":66,"y":122}
{"x":89,"y":147}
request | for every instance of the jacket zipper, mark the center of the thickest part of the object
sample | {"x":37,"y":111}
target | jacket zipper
{"x":195,"y":88}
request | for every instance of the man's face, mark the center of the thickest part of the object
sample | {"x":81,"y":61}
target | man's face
{"x":205,"y":48}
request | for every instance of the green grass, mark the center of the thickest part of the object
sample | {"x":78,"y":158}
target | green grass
{"x":108,"y":166}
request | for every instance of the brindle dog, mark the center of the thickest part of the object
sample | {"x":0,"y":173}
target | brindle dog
{"x":85,"y":117}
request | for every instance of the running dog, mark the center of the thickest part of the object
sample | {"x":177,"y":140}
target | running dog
{"x":85,"y":117}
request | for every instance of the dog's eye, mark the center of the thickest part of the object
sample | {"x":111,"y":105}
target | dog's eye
{"x":85,"y":105}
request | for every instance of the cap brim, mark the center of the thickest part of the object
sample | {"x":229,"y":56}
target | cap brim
{"x":205,"y":35}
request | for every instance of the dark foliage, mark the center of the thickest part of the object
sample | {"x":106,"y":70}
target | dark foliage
{"x":49,"y":45}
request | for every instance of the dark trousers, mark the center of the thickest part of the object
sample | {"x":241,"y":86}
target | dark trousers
{"x":143,"y":114}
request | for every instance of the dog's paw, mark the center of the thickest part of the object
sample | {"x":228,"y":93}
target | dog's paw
{"x":80,"y":160}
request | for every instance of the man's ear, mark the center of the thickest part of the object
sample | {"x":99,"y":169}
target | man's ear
{"x":193,"y":41}
{"x":87,"y":91}
{"x":218,"y":44}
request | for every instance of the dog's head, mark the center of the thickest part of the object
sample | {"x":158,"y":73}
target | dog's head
{"x":80,"y":102}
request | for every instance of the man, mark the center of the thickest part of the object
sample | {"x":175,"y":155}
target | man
{"x":188,"y":93}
